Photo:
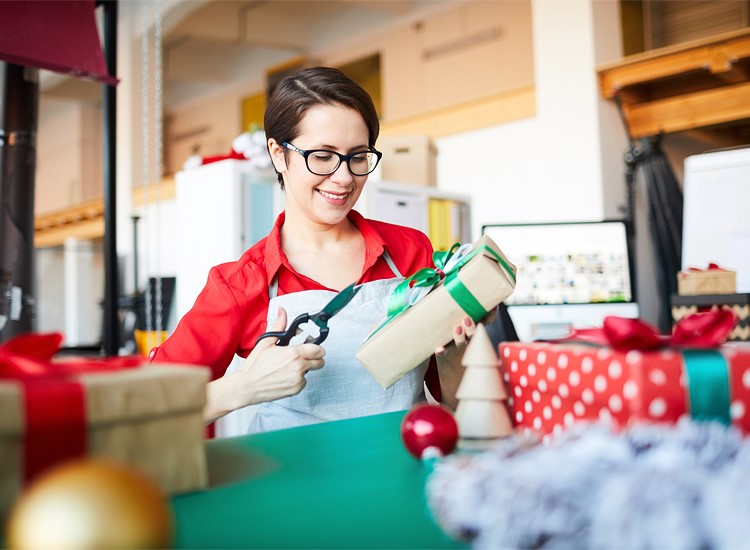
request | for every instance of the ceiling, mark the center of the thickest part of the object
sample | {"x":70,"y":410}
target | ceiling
{"x":215,"y":44}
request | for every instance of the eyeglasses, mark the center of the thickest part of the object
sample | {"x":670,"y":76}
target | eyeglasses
{"x":324,"y":163}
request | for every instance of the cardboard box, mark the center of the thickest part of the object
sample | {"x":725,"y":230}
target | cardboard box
{"x":710,"y":281}
{"x":408,"y":159}
{"x":682,"y":306}
{"x":556,"y":385}
{"x":412,"y":337}
{"x":149,"y":416}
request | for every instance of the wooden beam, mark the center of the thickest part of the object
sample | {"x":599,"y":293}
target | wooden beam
{"x":689,"y":111}
{"x":713,"y":56}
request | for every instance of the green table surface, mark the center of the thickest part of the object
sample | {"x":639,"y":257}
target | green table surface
{"x":344,"y":484}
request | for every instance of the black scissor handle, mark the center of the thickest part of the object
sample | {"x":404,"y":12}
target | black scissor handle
{"x":284,"y":337}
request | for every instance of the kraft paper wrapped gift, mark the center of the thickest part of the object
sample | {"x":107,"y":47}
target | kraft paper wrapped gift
{"x":713,"y":280}
{"x":148,"y":416}
{"x":473,"y":285}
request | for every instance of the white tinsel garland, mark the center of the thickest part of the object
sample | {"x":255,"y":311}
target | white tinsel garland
{"x":650,"y":486}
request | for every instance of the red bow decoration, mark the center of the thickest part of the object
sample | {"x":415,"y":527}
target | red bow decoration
{"x":708,"y":329}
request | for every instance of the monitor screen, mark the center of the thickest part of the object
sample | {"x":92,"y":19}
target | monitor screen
{"x":567,"y":262}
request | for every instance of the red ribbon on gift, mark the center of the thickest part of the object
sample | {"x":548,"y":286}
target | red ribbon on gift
{"x":54,"y":403}
{"x":711,"y":267}
{"x":702,"y":330}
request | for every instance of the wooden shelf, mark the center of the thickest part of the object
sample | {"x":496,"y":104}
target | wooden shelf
{"x":702,"y":85}
{"x":86,"y":221}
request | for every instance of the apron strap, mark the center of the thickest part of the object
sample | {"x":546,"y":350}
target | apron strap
{"x":273,"y":288}
{"x":389,"y":261}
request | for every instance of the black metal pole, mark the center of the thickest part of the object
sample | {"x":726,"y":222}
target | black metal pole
{"x":19,"y":113}
{"x":109,"y":114}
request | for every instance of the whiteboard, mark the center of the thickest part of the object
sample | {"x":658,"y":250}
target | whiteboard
{"x":716,"y":222}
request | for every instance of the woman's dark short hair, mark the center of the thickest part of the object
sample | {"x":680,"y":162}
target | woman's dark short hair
{"x":306,"y":88}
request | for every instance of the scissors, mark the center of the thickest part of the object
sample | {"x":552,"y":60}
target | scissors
{"x":320,"y":319}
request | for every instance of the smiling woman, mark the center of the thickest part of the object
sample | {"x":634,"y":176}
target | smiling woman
{"x":321,"y":128}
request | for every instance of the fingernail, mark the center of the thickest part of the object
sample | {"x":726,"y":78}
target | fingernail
{"x":467,"y":321}
{"x":459,"y":330}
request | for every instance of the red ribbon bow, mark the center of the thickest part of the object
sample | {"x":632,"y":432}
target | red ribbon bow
{"x":54,"y":404}
{"x":707,"y":329}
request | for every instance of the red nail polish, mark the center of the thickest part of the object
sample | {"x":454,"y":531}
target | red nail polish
{"x":458,"y":330}
{"x":467,"y":322}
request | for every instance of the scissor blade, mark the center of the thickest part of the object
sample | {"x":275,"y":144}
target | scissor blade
{"x":339,"y":301}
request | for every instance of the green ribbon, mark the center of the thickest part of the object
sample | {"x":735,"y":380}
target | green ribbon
{"x":708,"y":385}
{"x":427,"y":278}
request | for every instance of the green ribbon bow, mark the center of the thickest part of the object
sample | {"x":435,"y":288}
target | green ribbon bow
{"x":447,"y":266}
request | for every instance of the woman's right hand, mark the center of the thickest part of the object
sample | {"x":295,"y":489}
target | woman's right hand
{"x":270,"y":372}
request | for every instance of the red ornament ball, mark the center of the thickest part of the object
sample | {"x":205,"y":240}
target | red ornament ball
{"x":428,"y":429}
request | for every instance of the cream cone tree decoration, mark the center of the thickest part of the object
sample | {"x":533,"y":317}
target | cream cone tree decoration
{"x":481,"y":413}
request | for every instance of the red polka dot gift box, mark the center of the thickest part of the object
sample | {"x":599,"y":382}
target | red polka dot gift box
{"x":626,"y":372}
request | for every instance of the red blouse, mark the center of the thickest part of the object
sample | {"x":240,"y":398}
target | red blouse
{"x":231,"y":310}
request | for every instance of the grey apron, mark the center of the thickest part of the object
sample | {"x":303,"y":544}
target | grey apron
{"x":342,"y":388}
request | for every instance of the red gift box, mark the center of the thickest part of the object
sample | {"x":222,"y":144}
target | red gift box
{"x":555,"y":384}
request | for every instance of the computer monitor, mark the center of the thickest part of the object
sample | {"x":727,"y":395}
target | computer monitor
{"x":570,"y":274}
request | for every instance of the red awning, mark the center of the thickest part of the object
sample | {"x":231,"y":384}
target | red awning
{"x":57,"y":35}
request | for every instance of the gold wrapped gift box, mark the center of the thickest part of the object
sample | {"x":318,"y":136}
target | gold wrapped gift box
{"x":150,"y":417}
{"x":412,"y":337}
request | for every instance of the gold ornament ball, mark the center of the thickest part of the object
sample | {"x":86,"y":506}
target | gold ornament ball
{"x":91,"y":504}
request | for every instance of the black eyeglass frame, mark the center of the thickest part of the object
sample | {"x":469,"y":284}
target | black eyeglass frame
{"x":342,"y":158}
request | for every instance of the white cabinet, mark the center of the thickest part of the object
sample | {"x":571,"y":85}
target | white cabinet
{"x":222,"y":210}
{"x":442,"y":216}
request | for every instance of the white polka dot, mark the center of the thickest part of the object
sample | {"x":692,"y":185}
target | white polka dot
{"x":600,"y":384}
{"x":514,"y":366}
{"x":569,"y":419}
{"x":527,"y":406}
{"x":605,"y":415}
{"x":542,"y":384}
{"x":536,"y":396}
{"x":519,"y":416}
{"x":615,"y":369}
{"x":511,"y":401}
{"x":588,"y":396}
{"x":518,"y":391}
{"x":587,"y":365}
{"x":547,"y":439}
{"x":506,"y":351}
{"x":737,"y":410}
{"x":746,"y":379}
{"x":532,"y":369}
{"x":615,"y":403}
{"x":657,"y":408}
{"x":578,"y":408}
{"x":630,"y":390}
{"x":541,"y":358}
{"x":523,"y":381}
{"x":547,"y":413}
{"x":562,"y":361}
{"x":633,"y":357}
{"x":556,"y":401}
{"x":527,"y":432}
{"x":557,"y":429}
{"x":603,"y":353}
{"x":551,"y":373}
{"x":657,"y":377}
{"x":574,"y":379}
{"x":506,"y":377}
{"x":537,"y":423}
{"x":563,"y":390}
{"x":522,"y":355}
